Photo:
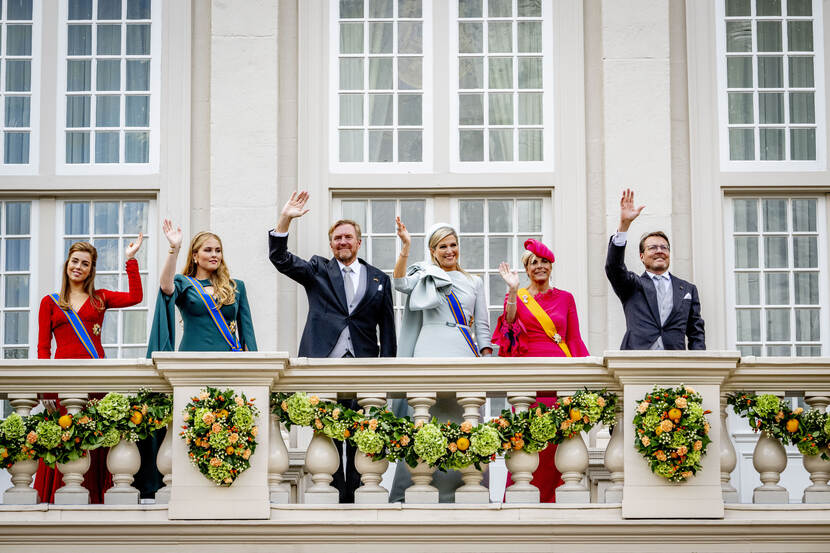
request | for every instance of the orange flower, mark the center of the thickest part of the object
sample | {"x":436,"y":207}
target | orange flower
{"x":229,"y":450}
{"x":233,"y":438}
{"x":404,"y":440}
{"x":666,"y":425}
{"x":466,"y":426}
{"x":216,"y":428}
{"x":373,"y":424}
{"x":215,"y":462}
{"x":452,"y":447}
{"x":314,"y":400}
{"x":254,"y":431}
{"x":698,"y":445}
{"x":246,"y":454}
{"x":660,"y":455}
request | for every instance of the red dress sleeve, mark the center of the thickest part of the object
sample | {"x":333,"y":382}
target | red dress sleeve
{"x":510,"y":337}
{"x":44,"y":328}
{"x":135,"y":294}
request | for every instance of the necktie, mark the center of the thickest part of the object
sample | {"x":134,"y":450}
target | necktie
{"x":347,"y":283}
{"x":664,"y":297}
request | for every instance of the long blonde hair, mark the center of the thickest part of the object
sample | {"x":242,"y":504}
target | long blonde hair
{"x":439,"y":234}
{"x":224,"y":289}
{"x":89,"y":283}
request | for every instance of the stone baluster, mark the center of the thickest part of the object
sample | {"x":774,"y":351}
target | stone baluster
{"x":73,"y":491}
{"x":21,"y":492}
{"x":279,"y":489}
{"x":615,"y":458}
{"x":321,"y":462}
{"x":421,"y":491}
{"x":521,"y":464}
{"x":371,"y":470}
{"x":770,"y":460}
{"x":728,"y":457}
{"x":164,"y":462}
{"x":123,"y":461}
{"x":819,"y":469}
{"x":472,"y":491}
{"x":572,"y":461}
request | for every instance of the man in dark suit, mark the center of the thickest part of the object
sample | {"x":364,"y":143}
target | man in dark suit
{"x":661,"y":310}
{"x":349,"y":307}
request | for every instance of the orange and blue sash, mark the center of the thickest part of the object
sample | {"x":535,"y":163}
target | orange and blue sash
{"x":218,"y":319}
{"x":78,"y":326}
{"x":461,"y":321}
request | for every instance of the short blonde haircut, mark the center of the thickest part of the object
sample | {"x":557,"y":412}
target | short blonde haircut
{"x":528,"y":256}
{"x":339,"y":222}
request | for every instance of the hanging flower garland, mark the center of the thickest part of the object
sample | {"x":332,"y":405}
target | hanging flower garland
{"x":807,"y":430}
{"x":220,"y":434}
{"x":671,"y":431}
{"x":378,"y":433}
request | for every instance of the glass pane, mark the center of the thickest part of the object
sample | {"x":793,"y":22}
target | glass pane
{"x":529,"y":217}
{"x":109,"y":9}
{"x":801,"y":72}
{"x":109,"y":334}
{"x":501,"y":72}
{"x":530,"y":108}
{"x":471,"y":73}
{"x":500,"y":8}
{"x":530,"y":145}
{"x":803,"y":144}
{"x":17,"y":328}
{"x":498,"y":288}
{"x":380,"y":109}
{"x":76,"y":218}
{"x":501,"y":145}
{"x":500,"y":36}
{"x":351,"y":38}
{"x":17,"y":217}
{"x":137,"y":147}
{"x":500,"y":215}
{"x":775,"y":215}
{"x":137,"y":111}
{"x":777,"y":288}
{"x":469,"y":8}
{"x":138,"y":40}
{"x":799,"y":7}
{"x":23,"y":353}
{"x":802,"y":107}
{"x":383,"y":216}
{"x":77,"y":111}
{"x":413,"y":214}
{"x":501,"y":249}
{"x":107,"y":255}
{"x":737,"y":8}
{"x":78,"y":75}
{"x":530,"y":73}
{"x":745,"y":215}
{"x":19,"y":10}
{"x":409,"y":8}
{"x":410,"y":146}
{"x":17,"y":254}
{"x":138,"y":9}
{"x":772,"y":144}
{"x":529,"y":36}
{"x":800,"y":36}
{"x":17,"y":290}
{"x":738,"y":36}
{"x":18,"y":75}
{"x":471,"y":252}
{"x":769,"y":36}
{"x":749,"y":324}
{"x":741,"y":144}
{"x":380,"y":146}
{"x":380,"y":73}
{"x":770,"y":72}
{"x":381,"y":9}
{"x":381,"y":38}
{"x":410,"y":37}
{"x":804,"y":215}
{"x":530,"y":8}
{"x":471,"y":214}
{"x":807,"y":325}
{"x":351,"y":9}
{"x":80,"y":9}
{"x":356,"y":211}
{"x":808,"y":351}
{"x":107,"y":111}
{"x":775,"y":251}
{"x":18,"y":40}
{"x":351,"y":145}
{"x":805,"y":252}
{"x":79,"y":40}
{"x":746,"y":252}
{"x":806,"y":288}
{"x":770,"y":108}
{"x":750,"y":350}
{"x":747,"y":289}
{"x":410,"y":109}
{"x":740,"y":107}
{"x":16,"y":149}
{"x":739,"y":72}
{"x":106,"y":218}
{"x":416,"y":252}
{"x":135,"y":217}
{"x":779,"y":351}
{"x":383,"y":252}
{"x":410,"y":71}
{"x":470,"y":37}
{"x":106,"y":147}
{"x":471,"y":145}
{"x":778,"y":324}
{"x":351,"y":73}
{"x":501,"y":109}
{"x":108,"y":75}
{"x":135,"y":327}
{"x":109,"y":40}
{"x":77,"y":147}
{"x":768,"y":7}
{"x":351,"y":109}
{"x":138,"y":75}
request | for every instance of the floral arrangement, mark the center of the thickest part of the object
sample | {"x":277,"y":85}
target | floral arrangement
{"x":220,"y":434}
{"x":807,"y":430}
{"x":377,"y":432}
{"x":57,"y":438}
{"x":671,"y":431}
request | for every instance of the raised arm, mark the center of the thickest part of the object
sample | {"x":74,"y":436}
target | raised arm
{"x":400,"y":265}
{"x":628,"y":212}
{"x":136,"y":292}
{"x":511,"y":278}
{"x":168,"y":271}
{"x":293,"y":208}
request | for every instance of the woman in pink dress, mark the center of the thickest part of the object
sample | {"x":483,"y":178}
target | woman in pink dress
{"x":520,"y":333}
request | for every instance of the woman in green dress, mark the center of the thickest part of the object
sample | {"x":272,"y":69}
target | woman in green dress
{"x":202,"y":291}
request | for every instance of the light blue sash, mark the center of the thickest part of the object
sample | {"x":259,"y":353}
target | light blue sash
{"x":216,"y":315}
{"x":78,"y":326}
{"x":461,"y":321}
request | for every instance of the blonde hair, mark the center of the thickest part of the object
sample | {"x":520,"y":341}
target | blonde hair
{"x":528,"y":256}
{"x":89,"y":283}
{"x":439,"y":234}
{"x":224,"y":288}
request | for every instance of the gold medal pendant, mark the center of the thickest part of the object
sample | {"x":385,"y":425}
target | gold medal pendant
{"x":232,"y":327}
{"x":96,"y":329}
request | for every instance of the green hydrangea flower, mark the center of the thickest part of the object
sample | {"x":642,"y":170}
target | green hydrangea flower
{"x":543,"y":429}
{"x":219,"y":440}
{"x":111,"y":438}
{"x":485,"y":441}
{"x":767,"y":404}
{"x":807,"y":448}
{"x":198,"y":421}
{"x":335,"y":429}
{"x":664,"y":470}
{"x":430,"y":444}
{"x":651,"y":419}
{"x":694,"y":411}
{"x":13,"y":427}
{"x":243,"y":418}
{"x":693,"y":456}
{"x":48,"y":434}
{"x":220,"y":473}
{"x":678,"y":439}
{"x":300,"y":410}
{"x":369,"y":441}
{"x":114,"y":407}
{"x":827,"y":426}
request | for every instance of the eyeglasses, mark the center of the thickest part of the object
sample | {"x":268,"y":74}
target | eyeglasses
{"x":657,"y":248}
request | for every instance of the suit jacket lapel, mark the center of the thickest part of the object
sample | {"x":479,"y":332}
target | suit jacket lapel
{"x":336,"y":278}
{"x":651,"y":296}
{"x":678,"y":291}
{"x":372,"y":283}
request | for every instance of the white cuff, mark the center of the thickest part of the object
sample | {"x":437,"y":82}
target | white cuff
{"x":276,"y":234}
{"x":620,"y":238}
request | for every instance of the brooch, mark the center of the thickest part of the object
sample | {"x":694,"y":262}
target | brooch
{"x":557,"y":338}
{"x":232,"y":327}
{"x":96,"y":329}
{"x":525,"y":298}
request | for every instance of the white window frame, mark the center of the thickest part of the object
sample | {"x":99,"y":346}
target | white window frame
{"x":34,"y":303}
{"x":30,"y":168}
{"x":122,"y":167}
{"x":149,"y":243}
{"x":548,"y":102}
{"x":728,"y":165}
{"x":427,"y":120}
{"x":823,"y":282}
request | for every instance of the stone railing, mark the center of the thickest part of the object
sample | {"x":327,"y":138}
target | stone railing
{"x":374,"y":382}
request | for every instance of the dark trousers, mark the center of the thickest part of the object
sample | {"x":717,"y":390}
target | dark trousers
{"x":346,"y":480}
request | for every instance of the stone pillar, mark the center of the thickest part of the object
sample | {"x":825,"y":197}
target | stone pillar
{"x":123,"y":461}
{"x":572,"y":461}
{"x":73,"y":491}
{"x":728,"y":457}
{"x":472,"y":491}
{"x":520,"y":463}
{"x":321,"y":462}
{"x":278,"y":463}
{"x":770,"y":460}
{"x":615,"y":458}
{"x":21,"y":492}
{"x":164,"y":462}
{"x":421,"y":491}
{"x":819,"y":469}
{"x":371,"y":470}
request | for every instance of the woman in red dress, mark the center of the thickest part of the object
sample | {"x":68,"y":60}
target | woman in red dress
{"x":79,"y":294}
{"x":519,"y":333}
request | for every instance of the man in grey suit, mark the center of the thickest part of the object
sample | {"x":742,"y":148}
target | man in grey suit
{"x":661,"y":310}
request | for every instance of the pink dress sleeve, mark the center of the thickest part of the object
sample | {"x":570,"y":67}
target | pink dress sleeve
{"x":572,"y":336}
{"x":511,"y":338}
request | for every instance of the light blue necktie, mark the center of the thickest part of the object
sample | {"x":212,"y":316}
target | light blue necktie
{"x":664,"y":297}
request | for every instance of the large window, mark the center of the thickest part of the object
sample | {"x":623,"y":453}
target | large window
{"x":779,"y":281}
{"x":18,"y":38}
{"x":110,"y":226}
{"x":503,"y":79}
{"x":380,"y":78}
{"x":16,"y":258}
{"x":771,"y":84}
{"x":110,"y":78}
